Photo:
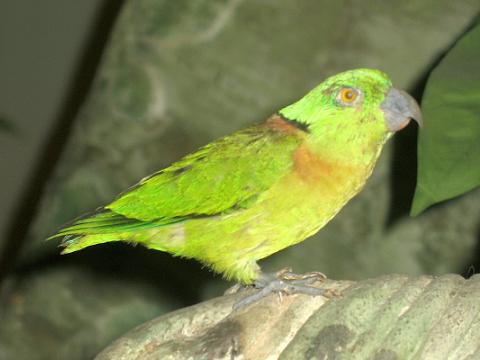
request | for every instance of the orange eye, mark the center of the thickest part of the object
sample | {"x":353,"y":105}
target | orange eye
{"x":347,"y":95}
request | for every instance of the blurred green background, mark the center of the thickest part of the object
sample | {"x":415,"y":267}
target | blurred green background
{"x":94,"y":95}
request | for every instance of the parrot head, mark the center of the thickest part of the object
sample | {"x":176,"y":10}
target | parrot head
{"x":354,"y":110}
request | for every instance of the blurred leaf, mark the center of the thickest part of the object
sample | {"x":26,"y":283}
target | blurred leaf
{"x":449,"y":144}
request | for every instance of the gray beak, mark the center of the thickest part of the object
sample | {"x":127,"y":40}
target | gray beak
{"x":399,"y":108}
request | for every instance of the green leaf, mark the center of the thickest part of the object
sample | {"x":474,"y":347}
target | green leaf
{"x":449,"y":143}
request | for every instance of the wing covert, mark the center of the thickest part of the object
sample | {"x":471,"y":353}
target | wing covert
{"x":222,"y":176}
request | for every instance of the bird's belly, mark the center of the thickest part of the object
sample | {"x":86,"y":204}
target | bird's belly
{"x":289,"y":212}
{"x":297,"y":209}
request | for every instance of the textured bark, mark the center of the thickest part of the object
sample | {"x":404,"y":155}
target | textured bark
{"x":391,"y":317}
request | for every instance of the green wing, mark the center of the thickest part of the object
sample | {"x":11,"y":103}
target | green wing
{"x":223,"y":176}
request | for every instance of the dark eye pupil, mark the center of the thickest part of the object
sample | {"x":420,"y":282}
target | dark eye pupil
{"x":349,"y":94}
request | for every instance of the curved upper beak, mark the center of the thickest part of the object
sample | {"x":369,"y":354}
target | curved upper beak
{"x":399,"y":108}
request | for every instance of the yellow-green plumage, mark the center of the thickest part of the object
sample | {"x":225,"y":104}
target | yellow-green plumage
{"x":257,"y":191}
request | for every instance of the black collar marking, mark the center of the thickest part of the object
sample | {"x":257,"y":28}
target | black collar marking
{"x":299,"y":125}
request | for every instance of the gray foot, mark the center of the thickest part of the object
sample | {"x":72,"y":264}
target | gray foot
{"x":283,"y":282}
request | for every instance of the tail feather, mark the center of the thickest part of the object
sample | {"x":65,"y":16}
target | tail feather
{"x":101,"y":227}
{"x":72,"y":243}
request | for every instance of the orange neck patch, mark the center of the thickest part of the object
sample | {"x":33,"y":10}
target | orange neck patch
{"x":312,"y":167}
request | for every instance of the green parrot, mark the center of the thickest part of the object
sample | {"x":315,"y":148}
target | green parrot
{"x":259,"y":190}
